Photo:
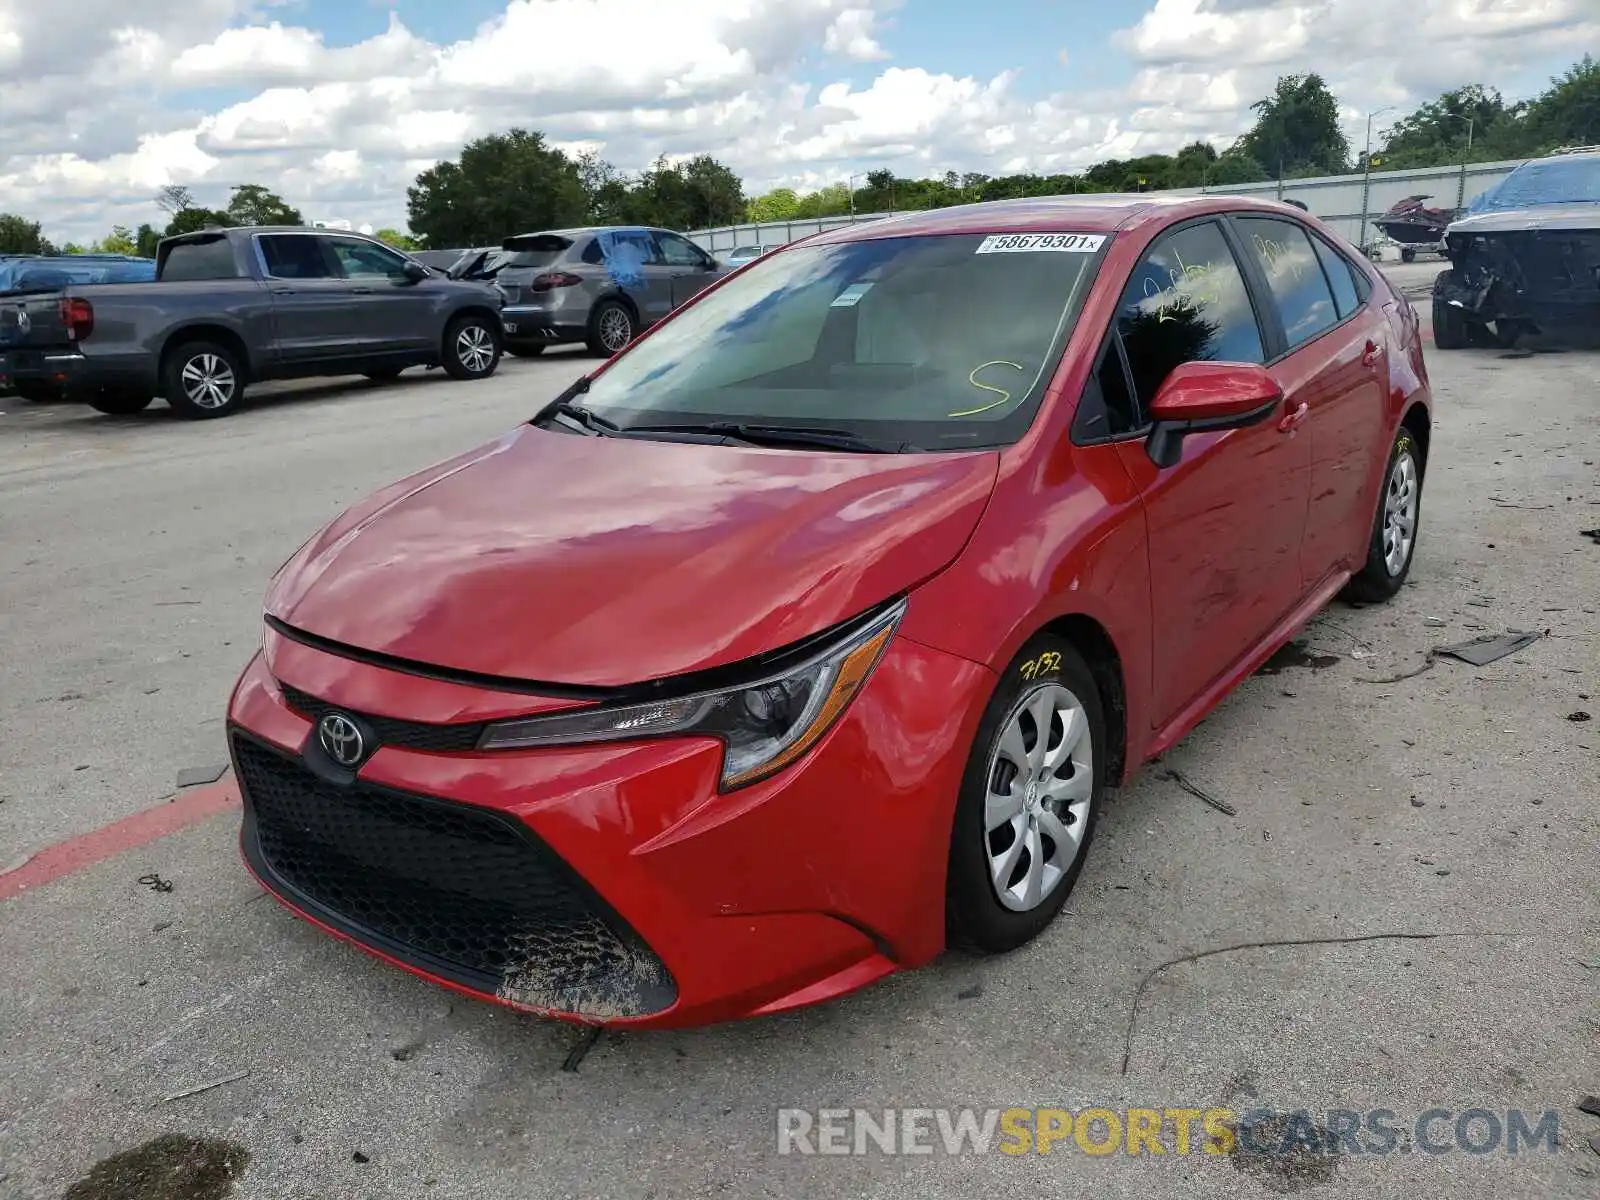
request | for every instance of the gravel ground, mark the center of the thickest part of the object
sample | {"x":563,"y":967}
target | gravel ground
{"x":1458,"y":803}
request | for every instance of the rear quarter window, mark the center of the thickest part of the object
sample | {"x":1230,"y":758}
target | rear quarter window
{"x":208,"y":259}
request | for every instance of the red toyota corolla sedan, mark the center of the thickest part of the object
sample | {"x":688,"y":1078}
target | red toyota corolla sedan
{"x":804,"y":636}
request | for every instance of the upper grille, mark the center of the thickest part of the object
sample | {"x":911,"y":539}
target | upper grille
{"x":411,"y":735}
{"x":460,"y":891}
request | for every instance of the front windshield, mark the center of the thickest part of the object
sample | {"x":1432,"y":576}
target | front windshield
{"x":1574,"y":180}
{"x":934,"y":342}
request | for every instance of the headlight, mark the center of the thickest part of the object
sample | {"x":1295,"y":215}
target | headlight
{"x":764,"y":726}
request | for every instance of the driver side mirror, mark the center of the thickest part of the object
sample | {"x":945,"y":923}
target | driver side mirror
{"x":1199,"y":397}
{"x":414,"y":271}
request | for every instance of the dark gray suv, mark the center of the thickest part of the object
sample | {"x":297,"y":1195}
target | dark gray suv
{"x":599,"y":286}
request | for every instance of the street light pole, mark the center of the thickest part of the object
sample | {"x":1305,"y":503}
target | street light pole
{"x":1366,"y":175}
{"x":1461,"y":188}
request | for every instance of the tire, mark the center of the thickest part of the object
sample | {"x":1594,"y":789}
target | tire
{"x":471,"y":347}
{"x":1507,"y":333}
{"x":36,"y":391}
{"x":203,"y":380}
{"x":1408,"y":255}
{"x":1048,"y":670}
{"x":120,"y":404}
{"x":611,"y":327}
{"x":1385,"y":571}
{"x":386,"y":375}
{"x":1449,"y":322}
{"x":525,"y":351}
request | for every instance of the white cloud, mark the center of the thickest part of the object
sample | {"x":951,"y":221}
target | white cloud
{"x":97,"y":112}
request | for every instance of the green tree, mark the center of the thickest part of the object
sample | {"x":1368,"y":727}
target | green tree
{"x":120,"y":241}
{"x":146,"y":241}
{"x":694,"y":194}
{"x":174,"y":198}
{"x":780,"y":204}
{"x":252,"y":204}
{"x":400,"y":241}
{"x":503,"y":184}
{"x":1437,"y":133}
{"x":18,"y":235}
{"x":190,"y":219}
{"x":1297,"y":130}
{"x":1568,"y":114}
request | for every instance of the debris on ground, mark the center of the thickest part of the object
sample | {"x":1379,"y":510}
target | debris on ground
{"x":1592,"y":534}
{"x":1490,"y":647}
{"x":155,"y":883}
{"x":1590,"y":1105}
{"x":1580,"y":716}
{"x":971,"y":993}
{"x":359,"y":1157}
{"x":580,"y":1051}
{"x":191,"y":776}
{"x":204,"y":1087}
{"x":1222,"y":806}
{"x":173,"y":1164}
{"x":1508,"y":504}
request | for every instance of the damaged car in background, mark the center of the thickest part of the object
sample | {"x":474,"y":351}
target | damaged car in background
{"x":1525,"y":258}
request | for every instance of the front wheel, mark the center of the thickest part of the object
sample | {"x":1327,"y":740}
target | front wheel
{"x":471,"y":348}
{"x":203,"y":380}
{"x":1026,"y":811}
{"x":1394,"y":528}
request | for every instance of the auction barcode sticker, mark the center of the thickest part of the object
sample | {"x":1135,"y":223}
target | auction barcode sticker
{"x":1027,"y":243}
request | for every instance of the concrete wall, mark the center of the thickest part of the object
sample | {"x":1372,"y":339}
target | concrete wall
{"x":1337,"y":199}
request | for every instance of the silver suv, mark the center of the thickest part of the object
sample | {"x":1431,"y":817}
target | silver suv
{"x":599,"y":286}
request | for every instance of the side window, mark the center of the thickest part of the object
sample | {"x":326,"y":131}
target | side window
{"x":1186,"y":302}
{"x":679,"y":252}
{"x":363,"y":260}
{"x":1342,"y":277}
{"x":1107,"y":409}
{"x":295,"y":256}
{"x":206,"y":258}
{"x":591,"y":253}
{"x":1294,"y":273}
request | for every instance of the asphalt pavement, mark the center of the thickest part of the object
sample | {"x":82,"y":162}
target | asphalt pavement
{"x":1452,"y":815}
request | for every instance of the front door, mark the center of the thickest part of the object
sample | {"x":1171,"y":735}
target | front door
{"x":691,"y":267}
{"x":311,"y":311}
{"x":1225,"y":523}
{"x":394,"y":314}
{"x":1335,"y":345}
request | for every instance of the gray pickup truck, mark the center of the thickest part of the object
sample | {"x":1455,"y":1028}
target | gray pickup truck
{"x":230,"y":307}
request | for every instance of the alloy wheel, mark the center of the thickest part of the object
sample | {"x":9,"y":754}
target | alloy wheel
{"x":616,"y":330}
{"x":1400,"y":513}
{"x":208,"y":381}
{"x":1040,"y":784}
{"x":475,"y":348}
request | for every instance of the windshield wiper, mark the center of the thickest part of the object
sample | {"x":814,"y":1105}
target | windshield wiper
{"x":562,"y":406}
{"x":776,"y":435}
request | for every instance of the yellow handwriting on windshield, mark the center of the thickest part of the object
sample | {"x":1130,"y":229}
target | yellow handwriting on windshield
{"x":972,"y":378}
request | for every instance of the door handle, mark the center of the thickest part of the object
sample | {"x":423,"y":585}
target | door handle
{"x":283,"y":291}
{"x":361,"y":291}
{"x":1369,"y":356}
{"x":1294,"y":419}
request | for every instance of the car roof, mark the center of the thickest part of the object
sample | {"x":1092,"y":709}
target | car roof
{"x":1098,"y":213}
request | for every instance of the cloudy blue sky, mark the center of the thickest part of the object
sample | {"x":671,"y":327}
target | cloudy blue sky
{"x":337,"y":104}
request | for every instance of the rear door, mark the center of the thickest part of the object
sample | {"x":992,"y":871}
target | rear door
{"x":1225,"y":523}
{"x":312,"y":312}
{"x":692,"y":269}
{"x":1333,"y":362}
{"x":392,"y":313}
{"x":634,"y":264}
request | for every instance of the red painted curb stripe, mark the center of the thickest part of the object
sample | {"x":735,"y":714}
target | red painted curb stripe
{"x":140,"y":829}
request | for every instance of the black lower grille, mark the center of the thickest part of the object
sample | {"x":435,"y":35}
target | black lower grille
{"x":462,"y":892}
{"x":412,"y":735}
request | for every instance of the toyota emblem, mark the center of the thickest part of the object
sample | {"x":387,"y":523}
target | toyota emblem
{"x":341,"y":738}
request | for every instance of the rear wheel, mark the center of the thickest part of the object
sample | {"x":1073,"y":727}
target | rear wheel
{"x":203,"y":380}
{"x":1028,"y":800}
{"x":1449,"y":322}
{"x":120,"y":404}
{"x":1408,"y":255}
{"x":1394,"y":528}
{"x":471,"y":348}
{"x":611,"y":328}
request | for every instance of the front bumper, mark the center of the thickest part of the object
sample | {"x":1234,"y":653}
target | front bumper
{"x":608,"y":884}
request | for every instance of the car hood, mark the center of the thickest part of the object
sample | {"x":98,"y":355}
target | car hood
{"x":1577,"y":217}
{"x":601,"y":562}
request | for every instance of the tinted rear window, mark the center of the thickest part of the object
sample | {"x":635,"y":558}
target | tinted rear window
{"x":208,"y":259}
